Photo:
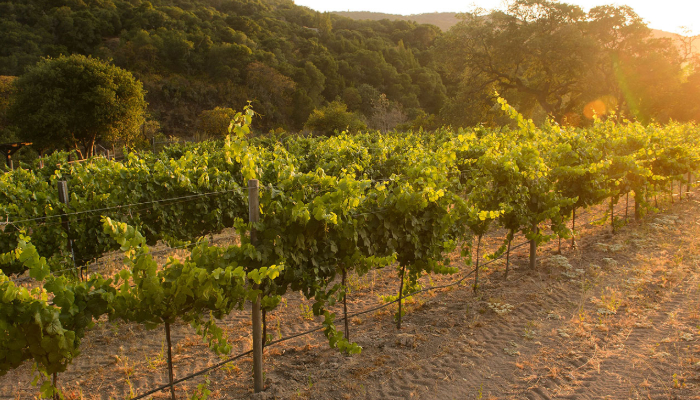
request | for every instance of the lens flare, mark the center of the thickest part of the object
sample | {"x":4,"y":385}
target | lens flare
{"x":630,"y":98}
{"x":595,"y":108}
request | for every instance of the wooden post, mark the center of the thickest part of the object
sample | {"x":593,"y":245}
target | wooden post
{"x":533,"y":248}
{"x":510,"y":240}
{"x":345,"y":303}
{"x":573,"y":228}
{"x":170,"y":360}
{"x":55,"y":387}
{"x":612,"y":215}
{"x":656,"y":200}
{"x":398,"y":322}
{"x":476,"y":270}
{"x":264,"y":329}
{"x":253,"y":217}
{"x":63,"y":198}
{"x":559,"y":245}
{"x":671,"y":193}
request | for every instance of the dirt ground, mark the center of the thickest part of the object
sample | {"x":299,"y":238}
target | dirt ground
{"x":616,"y":318}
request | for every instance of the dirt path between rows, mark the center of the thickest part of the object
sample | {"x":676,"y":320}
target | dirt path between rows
{"x":617,"y":318}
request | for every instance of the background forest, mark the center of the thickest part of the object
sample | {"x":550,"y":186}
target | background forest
{"x":192,"y":56}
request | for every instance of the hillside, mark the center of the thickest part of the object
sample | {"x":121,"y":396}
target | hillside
{"x":676,"y":38}
{"x":443,"y":20}
{"x":196,"y":55}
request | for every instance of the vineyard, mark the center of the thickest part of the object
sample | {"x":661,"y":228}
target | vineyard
{"x":308,"y":217}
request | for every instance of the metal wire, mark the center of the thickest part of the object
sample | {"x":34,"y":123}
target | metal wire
{"x":598,"y":217}
{"x":184,"y":198}
{"x":233,"y":358}
{"x":275,"y":342}
{"x":341,"y":319}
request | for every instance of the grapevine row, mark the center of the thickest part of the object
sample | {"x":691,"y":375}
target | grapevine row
{"x":329,"y":207}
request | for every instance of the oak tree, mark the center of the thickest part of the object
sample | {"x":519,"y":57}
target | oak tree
{"x":76,"y":101}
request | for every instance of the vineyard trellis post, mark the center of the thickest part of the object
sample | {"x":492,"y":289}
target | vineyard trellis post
{"x":56,"y":395}
{"x":170,"y":359}
{"x":612,"y":214}
{"x":398,"y":320}
{"x":671,"y":193}
{"x":254,"y":217}
{"x":264,"y":328}
{"x":63,"y":198}
{"x":476,"y":271}
{"x":533,"y":247}
{"x":345,"y":303}
{"x":510,"y":240}
{"x":573,"y":228}
{"x":656,"y":200}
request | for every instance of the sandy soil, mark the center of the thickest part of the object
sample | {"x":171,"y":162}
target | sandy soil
{"x":618,"y":317}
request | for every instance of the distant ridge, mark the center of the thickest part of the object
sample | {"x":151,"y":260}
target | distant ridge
{"x":675,"y":37}
{"x":445,"y":20}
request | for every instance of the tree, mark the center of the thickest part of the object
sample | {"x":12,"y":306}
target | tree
{"x":76,"y":101}
{"x":535,"y":50}
{"x":688,"y":108}
{"x":386,"y":115}
{"x":554,"y":60}
{"x":6,"y":91}
{"x":270,"y":90}
{"x":642,"y":75}
{"x":334,"y":117}
{"x":215,"y":123}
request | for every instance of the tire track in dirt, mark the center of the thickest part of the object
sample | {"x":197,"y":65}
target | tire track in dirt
{"x":642,"y":364}
{"x":480,"y":335}
{"x":642,"y":355}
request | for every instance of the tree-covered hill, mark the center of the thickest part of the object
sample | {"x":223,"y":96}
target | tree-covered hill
{"x":200,"y":59}
{"x":194,"y":55}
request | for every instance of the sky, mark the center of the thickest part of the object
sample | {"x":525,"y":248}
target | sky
{"x":667,"y":15}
